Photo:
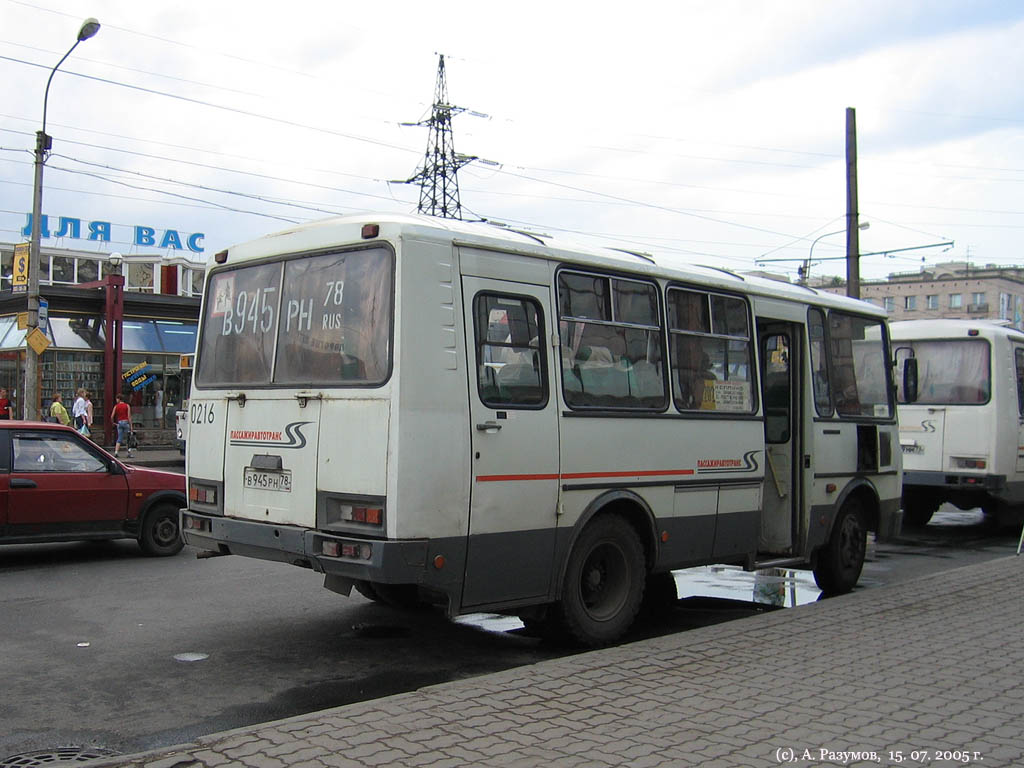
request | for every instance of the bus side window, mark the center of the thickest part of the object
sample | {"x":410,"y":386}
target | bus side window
{"x":1018,"y":358}
{"x":510,"y":362}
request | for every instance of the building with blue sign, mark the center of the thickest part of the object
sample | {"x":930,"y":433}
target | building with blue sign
{"x":154,"y":301}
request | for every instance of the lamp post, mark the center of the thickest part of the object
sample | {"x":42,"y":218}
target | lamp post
{"x":805,"y":270}
{"x":30,"y":397}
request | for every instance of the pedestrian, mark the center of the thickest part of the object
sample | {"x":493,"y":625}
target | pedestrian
{"x":5,"y":405}
{"x":88,"y":414}
{"x":79,"y":410}
{"x":122,"y":418}
{"x":58,"y":413}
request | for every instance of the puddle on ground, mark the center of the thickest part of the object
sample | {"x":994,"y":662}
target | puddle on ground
{"x":783,"y":587}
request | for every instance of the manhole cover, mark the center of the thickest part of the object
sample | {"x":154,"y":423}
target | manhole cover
{"x":58,"y":756}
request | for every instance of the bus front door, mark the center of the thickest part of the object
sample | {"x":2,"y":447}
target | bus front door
{"x":779,"y":349}
{"x":514,"y":441}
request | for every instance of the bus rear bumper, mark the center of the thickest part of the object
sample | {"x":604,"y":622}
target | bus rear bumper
{"x":961,"y":481}
{"x":389,"y":562}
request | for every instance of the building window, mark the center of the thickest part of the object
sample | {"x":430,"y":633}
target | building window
{"x":889,"y":303}
{"x":932,"y":301}
{"x":910,"y":302}
{"x":977,"y":299}
{"x":956,"y":300}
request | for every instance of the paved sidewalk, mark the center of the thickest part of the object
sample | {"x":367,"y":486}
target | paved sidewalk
{"x":906,"y":672}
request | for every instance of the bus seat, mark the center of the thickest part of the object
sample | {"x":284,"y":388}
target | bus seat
{"x":647,"y":380}
{"x":595,"y":355}
{"x":605,"y":380}
{"x":517,"y":382}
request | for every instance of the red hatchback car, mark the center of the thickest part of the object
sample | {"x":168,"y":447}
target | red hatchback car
{"x":56,"y":485}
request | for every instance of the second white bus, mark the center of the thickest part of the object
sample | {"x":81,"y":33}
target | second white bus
{"x":961,"y":413}
{"x":453,"y":413}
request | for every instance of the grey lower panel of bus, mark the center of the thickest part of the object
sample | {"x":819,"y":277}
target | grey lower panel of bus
{"x":961,"y":481}
{"x":504,"y":569}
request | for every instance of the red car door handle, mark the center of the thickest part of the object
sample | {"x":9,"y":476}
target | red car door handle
{"x":20,"y":482}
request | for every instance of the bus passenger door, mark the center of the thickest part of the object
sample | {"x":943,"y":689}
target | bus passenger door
{"x":1018,"y":370}
{"x":779,"y":352}
{"x":514,"y":440}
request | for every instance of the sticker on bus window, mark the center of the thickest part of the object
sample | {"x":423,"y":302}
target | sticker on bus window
{"x":223,"y":295}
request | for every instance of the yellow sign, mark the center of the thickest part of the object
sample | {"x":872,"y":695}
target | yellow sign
{"x":22,"y":321}
{"x":19,"y":279}
{"x":185,"y":362}
{"x":37,"y":340}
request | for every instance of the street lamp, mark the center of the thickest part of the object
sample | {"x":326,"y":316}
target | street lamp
{"x":805,"y":270}
{"x":43,"y":143}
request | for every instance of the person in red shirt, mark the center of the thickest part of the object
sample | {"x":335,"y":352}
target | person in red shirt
{"x":5,"y":405}
{"x":122,"y":417}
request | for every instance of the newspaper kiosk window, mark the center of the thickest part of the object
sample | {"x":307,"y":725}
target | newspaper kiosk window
{"x":322,"y":319}
{"x":711,"y":352}
{"x":611,"y":341}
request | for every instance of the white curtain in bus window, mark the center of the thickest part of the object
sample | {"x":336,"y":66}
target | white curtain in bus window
{"x":335,"y":323}
{"x":858,"y":366}
{"x":611,"y":335}
{"x":509,"y":356}
{"x":949,"y":371}
{"x":711,"y":352}
{"x":239,"y":323}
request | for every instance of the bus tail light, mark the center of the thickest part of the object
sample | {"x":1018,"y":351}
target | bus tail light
{"x":371,"y":515}
{"x":202,"y":494}
{"x":197,"y":524}
{"x":970,"y":463}
{"x":356,"y":551}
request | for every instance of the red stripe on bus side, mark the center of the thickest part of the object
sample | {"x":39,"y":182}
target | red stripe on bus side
{"x":583,"y":475}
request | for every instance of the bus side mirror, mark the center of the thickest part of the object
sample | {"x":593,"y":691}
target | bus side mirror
{"x":910,"y":379}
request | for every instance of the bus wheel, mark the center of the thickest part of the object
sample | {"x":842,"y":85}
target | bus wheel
{"x":917,"y":511}
{"x":840,"y":561}
{"x":660,"y":594}
{"x":403,"y":596}
{"x":604,"y":582}
{"x":159,"y":534}
{"x":1003,"y":515}
{"x":366,"y":589}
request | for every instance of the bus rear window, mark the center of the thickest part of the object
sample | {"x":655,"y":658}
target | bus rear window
{"x":949,"y":371}
{"x":322,"y":319}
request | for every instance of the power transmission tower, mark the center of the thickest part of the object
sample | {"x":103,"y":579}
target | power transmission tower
{"x":438,"y":176}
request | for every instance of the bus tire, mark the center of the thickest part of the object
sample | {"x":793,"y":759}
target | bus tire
{"x":366,"y":589}
{"x":660,"y":594}
{"x":604,"y":582}
{"x":402,"y":596}
{"x":840,"y":561}
{"x":160,"y":532}
{"x":918,"y":510}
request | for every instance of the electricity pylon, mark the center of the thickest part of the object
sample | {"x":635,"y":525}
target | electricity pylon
{"x":438,"y":176}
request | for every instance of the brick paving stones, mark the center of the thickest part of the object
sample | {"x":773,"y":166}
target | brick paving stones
{"x":928,"y":672}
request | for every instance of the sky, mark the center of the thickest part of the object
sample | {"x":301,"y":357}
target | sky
{"x":707,"y":132}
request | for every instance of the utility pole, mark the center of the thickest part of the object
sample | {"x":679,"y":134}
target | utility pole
{"x":438,"y":175}
{"x":852,"y":225}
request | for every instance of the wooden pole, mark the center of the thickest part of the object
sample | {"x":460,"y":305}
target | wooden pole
{"x":852,"y":224}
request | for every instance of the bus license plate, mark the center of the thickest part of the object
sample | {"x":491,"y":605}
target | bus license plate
{"x":268,"y":481}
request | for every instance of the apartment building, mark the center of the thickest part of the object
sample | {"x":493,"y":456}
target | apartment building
{"x":951,"y":290}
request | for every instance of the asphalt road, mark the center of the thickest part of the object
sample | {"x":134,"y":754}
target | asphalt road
{"x":102,"y":647}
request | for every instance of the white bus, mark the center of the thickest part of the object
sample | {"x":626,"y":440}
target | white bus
{"x":460,"y":414}
{"x":962,"y":430}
